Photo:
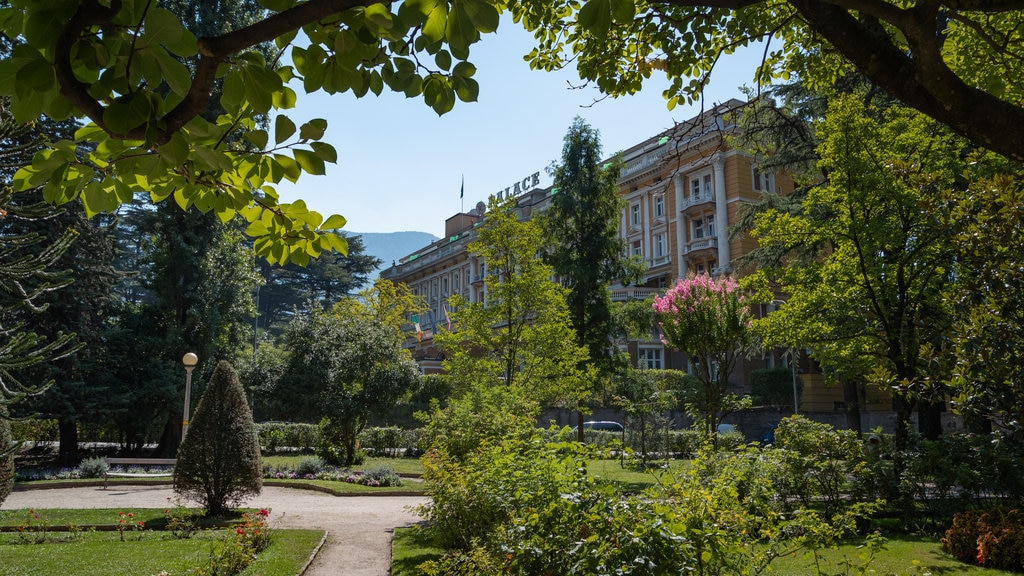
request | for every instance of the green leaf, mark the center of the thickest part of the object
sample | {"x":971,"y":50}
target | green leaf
{"x":309,"y":162}
{"x":284,"y":128}
{"x":233,"y":90}
{"x":334,"y":222}
{"x":210,"y":159}
{"x":443,"y":60}
{"x":176,"y":74}
{"x":437,"y":22}
{"x":483,"y":15}
{"x":313,"y":130}
{"x":595,"y":17}
{"x":467,"y":89}
{"x":128,"y":111}
{"x":260,"y":85}
{"x":325,"y":151}
{"x":162,"y":27}
{"x":623,"y":11}
{"x":176,"y":150}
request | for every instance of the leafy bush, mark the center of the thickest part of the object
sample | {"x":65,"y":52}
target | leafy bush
{"x":961,"y":539}
{"x":773,"y":387}
{"x":93,"y":467}
{"x":381,"y":476}
{"x":1001,"y":540}
{"x":529,"y":507}
{"x":994,"y":538}
{"x":298,"y":436}
{"x":309,"y":466}
{"x":819,"y":461}
{"x":219,"y":459}
{"x":34,"y":430}
{"x":383,"y":441}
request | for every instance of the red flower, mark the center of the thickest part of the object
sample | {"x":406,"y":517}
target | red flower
{"x":264,"y":512}
{"x":239,"y":530}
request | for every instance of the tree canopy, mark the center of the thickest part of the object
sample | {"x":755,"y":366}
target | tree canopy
{"x":143,"y":80}
{"x":957,"y":61}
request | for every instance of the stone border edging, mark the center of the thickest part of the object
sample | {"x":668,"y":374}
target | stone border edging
{"x":314,"y":553}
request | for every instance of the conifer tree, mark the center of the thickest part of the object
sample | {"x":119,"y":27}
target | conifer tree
{"x":219,"y":460}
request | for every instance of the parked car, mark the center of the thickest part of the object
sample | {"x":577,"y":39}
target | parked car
{"x":605,"y":425}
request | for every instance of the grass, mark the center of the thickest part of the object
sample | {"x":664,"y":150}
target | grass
{"x":147,"y":552}
{"x":410,"y":548}
{"x":154,"y":518}
{"x":902,"y":556}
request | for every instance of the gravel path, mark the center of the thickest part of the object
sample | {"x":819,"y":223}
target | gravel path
{"x":359,"y":527}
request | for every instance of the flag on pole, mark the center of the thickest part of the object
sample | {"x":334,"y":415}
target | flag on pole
{"x":416,"y":325}
{"x":447,"y":318}
{"x":462,"y":190}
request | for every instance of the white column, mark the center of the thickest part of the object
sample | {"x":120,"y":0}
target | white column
{"x":679,"y":181}
{"x":721,"y":213}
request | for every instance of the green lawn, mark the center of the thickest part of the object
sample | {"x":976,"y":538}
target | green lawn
{"x":902,"y":555}
{"x":145,"y":553}
{"x":409,"y":549}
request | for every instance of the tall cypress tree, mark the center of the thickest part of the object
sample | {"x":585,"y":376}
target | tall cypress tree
{"x":582,"y":242}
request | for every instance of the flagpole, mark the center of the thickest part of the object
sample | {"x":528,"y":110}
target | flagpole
{"x":462,"y":196}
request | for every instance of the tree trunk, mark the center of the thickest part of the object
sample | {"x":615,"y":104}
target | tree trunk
{"x":929,"y":419}
{"x":67,"y":451}
{"x":170,"y":439}
{"x":851,"y":396}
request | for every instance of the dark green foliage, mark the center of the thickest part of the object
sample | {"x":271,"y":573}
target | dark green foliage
{"x":582,"y":243}
{"x":772,"y":387}
{"x":219,"y":461}
{"x":6,"y":457}
{"x":344,"y":370}
{"x":329,"y":278}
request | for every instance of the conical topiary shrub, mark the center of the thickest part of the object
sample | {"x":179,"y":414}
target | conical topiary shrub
{"x":219,"y":461}
{"x":6,"y":457}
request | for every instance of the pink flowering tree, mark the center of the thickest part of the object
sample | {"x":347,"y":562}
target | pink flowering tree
{"x":709,"y":320}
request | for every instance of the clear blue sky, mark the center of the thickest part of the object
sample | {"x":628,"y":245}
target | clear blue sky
{"x":400,"y":166}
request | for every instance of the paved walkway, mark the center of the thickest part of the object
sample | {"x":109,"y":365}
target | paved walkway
{"x":359,"y":527}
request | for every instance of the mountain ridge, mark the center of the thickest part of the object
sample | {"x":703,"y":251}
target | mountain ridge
{"x":392,"y":246}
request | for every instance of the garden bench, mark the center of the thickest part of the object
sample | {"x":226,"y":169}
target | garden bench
{"x":138,"y":462}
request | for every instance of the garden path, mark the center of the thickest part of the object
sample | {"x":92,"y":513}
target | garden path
{"x":359,"y":527}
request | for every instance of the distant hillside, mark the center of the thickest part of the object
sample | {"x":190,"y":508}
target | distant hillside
{"x":390,"y":246}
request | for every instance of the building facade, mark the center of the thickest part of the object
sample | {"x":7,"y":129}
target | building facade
{"x":682,"y":191}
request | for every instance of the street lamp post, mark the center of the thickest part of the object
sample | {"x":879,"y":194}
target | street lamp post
{"x":189,"y":360}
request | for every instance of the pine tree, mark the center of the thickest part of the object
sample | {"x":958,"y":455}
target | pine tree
{"x":6,"y":458}
{"x":219,"y":461}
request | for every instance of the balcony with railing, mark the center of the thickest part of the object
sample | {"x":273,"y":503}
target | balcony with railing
{"x":705,"y":243}
{"x":632,"y":293}
{"x":691,"y":201}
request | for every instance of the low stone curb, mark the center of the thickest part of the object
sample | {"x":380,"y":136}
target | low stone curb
{"x":313,"y":554}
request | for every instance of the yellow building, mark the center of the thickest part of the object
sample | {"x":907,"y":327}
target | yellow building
{"x":682,"y":190}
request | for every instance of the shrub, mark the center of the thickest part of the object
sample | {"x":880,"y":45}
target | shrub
{"x":961,"y":539}
{"x":309,"y":466}
{"x":93,"y":467}
{"x":819,"y":461}
{"x":34,"y":430}
{"x":1001,"y":540}
{"x":381,"y":476}
{"x":297,"y":436}
{"x":383,"y":441}
{"x":219,"y":459}
{"x":773,"y":387}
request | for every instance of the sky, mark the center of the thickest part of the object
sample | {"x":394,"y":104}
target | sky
{"x":401,"y":166}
